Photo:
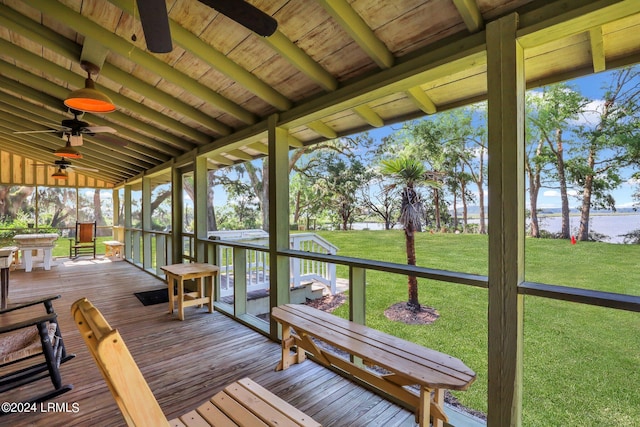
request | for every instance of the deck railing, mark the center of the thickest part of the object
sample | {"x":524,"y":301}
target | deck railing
{"x":257,"y":260}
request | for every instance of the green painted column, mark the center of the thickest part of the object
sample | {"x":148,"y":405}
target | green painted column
{"x":127,"y":222}
{"x":506,"y":92}
{"x":200,"y":206}
{"x":278,"y":217}
{"x":147,"y":261}
{"x":176,"y":216}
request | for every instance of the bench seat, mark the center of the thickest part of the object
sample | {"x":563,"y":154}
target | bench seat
{"x":242,"y":403}
{"x":403,"y":363}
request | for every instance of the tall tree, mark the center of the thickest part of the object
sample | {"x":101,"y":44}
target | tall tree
{"x":554,"y":110}
{"x":609,"y":145}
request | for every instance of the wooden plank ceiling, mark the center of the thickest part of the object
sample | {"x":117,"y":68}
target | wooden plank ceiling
{"x":333,"y":67}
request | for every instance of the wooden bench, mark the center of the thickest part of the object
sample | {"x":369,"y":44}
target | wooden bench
{"x":242,"y":403}
{"x":403,"y":363}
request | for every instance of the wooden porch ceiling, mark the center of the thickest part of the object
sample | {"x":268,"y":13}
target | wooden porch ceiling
{"x":332,"y":68}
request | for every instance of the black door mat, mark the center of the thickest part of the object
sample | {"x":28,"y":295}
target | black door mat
{"x":157,"y":296}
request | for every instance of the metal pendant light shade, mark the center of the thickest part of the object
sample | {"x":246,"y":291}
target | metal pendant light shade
{"x":89,"y":98}
{"x":68,"y":151}
{"x":60,"y":174}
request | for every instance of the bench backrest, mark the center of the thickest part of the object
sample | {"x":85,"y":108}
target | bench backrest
{"x":129,"y":388}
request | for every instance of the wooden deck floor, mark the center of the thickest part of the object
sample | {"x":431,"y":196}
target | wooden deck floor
{"x":183,"y":362}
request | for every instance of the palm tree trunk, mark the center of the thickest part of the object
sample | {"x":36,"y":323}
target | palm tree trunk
{"x":412,"y":303}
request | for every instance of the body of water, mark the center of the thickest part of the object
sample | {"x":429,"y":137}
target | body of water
{"x":613,"y":226}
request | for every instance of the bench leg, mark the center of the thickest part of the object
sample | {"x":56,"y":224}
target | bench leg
{"x":431,"y":406}
{"x":287,"y":358}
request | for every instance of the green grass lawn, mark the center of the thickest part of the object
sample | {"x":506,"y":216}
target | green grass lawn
{"x":581,"y":363}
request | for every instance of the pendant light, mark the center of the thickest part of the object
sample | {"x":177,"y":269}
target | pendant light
{"x":60,"y":174}
{"x":89,"y":98}
{"x":68,"y":151}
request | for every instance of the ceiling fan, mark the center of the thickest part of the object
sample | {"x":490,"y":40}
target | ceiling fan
{"x":62,"y":165}
{"x":155,"y":21}
{"x":73,"y":129}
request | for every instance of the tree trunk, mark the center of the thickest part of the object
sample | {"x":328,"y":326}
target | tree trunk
{"x":436,"y":207}
{"x":534,"y":190}
{"x":455,"y":211}
{"x":413,"y":302}
{"x":565,"y":232}
{"x":585,"y":210}
{"x":465,"y":209}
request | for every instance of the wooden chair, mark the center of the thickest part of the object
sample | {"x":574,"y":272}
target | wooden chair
{"x":85,"y":240}
{"x":242,"y":403}
{"x":31,"y":350}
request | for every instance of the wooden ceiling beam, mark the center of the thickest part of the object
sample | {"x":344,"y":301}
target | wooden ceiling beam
{"x":422,"y":100}
{"x":303,"y":62}
{"x":549,"y":23}
{"x":322,"y":129}
{"x":259,"y":147}
{"x":597,"y":50}
{"x":239,"y":154}
{"x":219,"y":158}
{"x":368,"y":115}
{"x":434,"y":64}
{"x":470,"y":13}
{"x":355,"y":26}
{"x":116,"y":44}
{"x":217,"y":60}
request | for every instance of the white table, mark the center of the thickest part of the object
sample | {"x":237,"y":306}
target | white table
{"x":28,"y":243}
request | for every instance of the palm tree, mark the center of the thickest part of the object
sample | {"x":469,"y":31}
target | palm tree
{"x":408,"y":172}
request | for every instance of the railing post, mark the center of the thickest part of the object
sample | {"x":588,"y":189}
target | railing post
{"x":239,"y":281}
{"x":295,"y":262}
{"x":357,"y":295}
{"x":161,"y":252}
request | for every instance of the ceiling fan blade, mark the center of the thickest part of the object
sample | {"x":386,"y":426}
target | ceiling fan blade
{"x":81,"y":168}
{"x":246,"y":15}
{"x":98,"y":129}
{"x":155,"y":24}
{"x":36,"y":131}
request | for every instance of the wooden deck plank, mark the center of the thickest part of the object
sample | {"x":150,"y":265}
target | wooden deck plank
{"x":185,"y":363}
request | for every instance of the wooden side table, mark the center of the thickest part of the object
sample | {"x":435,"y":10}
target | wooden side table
{"x":113,"y":250}
{"x":178,"y":273}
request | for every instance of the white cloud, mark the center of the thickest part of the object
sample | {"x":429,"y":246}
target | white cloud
{"x":551,"y":193}
{"x":591,"y":114}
